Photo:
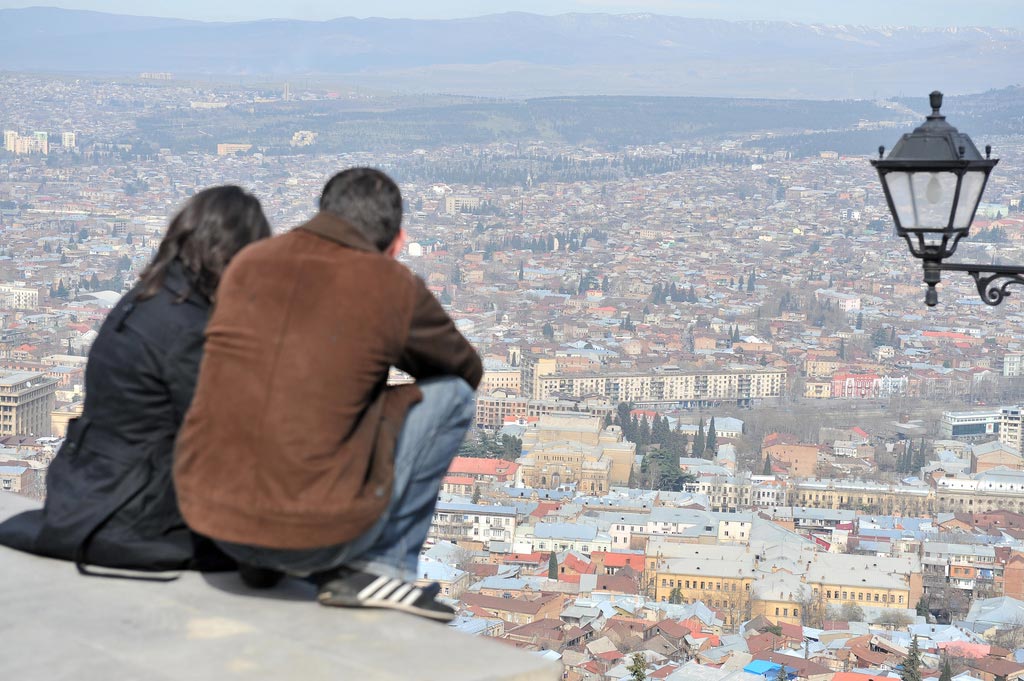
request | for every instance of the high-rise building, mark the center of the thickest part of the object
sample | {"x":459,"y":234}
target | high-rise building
{"x":1010,"y":419}
{"x":26,"y":400}
{"x":68,"y":140}
{"x":10,"y":140}
{"x":42,"y":141}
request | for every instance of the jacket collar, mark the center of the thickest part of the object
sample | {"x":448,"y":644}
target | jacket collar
{"x":177,"y":282}
{"x":335,"y":229}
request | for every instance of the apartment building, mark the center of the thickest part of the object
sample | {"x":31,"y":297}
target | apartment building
{"x":668,"y":387}
{"x":474,"y":523}
{"x":26,"y":400}
{"x":1010,"y":420}
{"x":17,"y":297}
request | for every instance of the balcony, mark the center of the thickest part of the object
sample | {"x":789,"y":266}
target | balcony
{"x":57,"y":625}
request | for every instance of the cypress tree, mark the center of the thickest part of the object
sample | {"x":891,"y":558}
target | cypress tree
{"x":711,"y":442}
{"x":552,"y":566}
{"x":912,"y":663}
{"x":947,"y":672}
{"x":698,"y":441}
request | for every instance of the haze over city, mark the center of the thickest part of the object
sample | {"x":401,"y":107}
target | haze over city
{"x":718,"y":437}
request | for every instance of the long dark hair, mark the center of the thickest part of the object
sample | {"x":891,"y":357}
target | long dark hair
{"x":212,"y":227}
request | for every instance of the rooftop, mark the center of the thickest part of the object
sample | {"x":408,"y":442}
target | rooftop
{"x":211,"y":627}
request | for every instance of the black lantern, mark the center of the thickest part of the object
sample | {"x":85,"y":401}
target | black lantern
{"x":933,"y":180}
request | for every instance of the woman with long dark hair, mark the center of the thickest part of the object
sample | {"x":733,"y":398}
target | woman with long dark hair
{"x":110,"y":499}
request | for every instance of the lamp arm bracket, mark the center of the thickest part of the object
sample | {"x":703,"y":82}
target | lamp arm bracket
{"x":992,"y":280}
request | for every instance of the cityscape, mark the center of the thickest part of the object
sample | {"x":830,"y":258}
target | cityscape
{"x":719,"y":435}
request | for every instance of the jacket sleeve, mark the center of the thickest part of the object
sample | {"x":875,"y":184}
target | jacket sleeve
{"x":434,"y":347}
{"x":181,"y":370}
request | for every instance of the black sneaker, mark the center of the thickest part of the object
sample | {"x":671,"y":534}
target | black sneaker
{"x":349,"y":588}
{"x":259,"y":577}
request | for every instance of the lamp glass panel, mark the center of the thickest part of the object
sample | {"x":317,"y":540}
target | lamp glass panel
{"x":933,"y":198}
{"x":902,"y":197}
{"x":970,"y":194}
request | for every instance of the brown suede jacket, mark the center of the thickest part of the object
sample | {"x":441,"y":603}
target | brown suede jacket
{"x":289,"y":442}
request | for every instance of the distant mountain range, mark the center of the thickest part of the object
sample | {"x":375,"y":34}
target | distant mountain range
{"x":526,"y":55}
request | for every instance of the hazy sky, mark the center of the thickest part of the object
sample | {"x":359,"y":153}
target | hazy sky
{"x":999,"y":13}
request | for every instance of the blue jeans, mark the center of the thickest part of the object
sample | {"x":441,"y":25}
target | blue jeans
{"x":430,"y":437}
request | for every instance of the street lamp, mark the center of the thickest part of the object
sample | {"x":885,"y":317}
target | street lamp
{"x":933,"y":180}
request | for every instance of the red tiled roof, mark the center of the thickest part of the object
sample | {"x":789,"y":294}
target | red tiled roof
{"x":457,"y":480}
{"x":610,"y":655}
{"x":466,"y":464}
{"x":617,"y":560}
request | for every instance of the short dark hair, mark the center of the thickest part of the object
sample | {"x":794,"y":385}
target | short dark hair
{"x":369,"y":200}
{"x":209,"y":230}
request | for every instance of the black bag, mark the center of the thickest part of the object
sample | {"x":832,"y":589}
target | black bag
{"x":112,"y":506}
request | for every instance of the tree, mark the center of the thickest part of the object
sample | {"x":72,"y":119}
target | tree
{"x":552,"y":566}
{"x":851,"y":612}
{"x":521,"y":270}
{"x":947,"y":672}
{"x":711,"y":440}
{"x":750,"y":283}
{"x":675,"y":596}
{"x":548,"y":331}
{"x":860,"y":321}
{"x":922,"y":606}
{"x":912,"y":663}
{"x":781,"y":674}
{"x":637,"y":667}
{"x":698,"y":441}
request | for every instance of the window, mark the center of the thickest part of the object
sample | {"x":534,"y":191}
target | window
{"x":776,"y":612}
{"x":796,"y":612}
{"x":785,"y":612}
{"x":664,"y":582}
{"x":828,"y":594}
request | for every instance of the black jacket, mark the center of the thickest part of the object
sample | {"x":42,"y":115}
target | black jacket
{"x":110,"y":500}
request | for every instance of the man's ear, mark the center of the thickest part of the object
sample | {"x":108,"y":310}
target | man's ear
{"x":398,"y":244}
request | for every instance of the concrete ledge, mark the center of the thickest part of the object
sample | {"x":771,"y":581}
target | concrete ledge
{"x":56,"y":625}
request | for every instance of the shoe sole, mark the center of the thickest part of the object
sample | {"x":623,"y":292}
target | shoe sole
{"x":338,"y":601}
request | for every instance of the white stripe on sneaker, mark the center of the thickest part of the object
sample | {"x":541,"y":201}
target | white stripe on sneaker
{"x":387,"y":590}
{"x":369,"y":590}
{"x":400,"y":593}
{"x":413,"y":595}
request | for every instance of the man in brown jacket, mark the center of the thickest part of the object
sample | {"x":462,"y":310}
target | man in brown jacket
{"x":295,"y":456}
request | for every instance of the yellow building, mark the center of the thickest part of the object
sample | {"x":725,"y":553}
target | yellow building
{"x":504,"y":378}
{"x":786,"y":581}
{"x":867,"y":497}
{"x":818,"y":390}
{"x":228,"y":149}
{"x":60,"y":417}
{"x":573,"y":449}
